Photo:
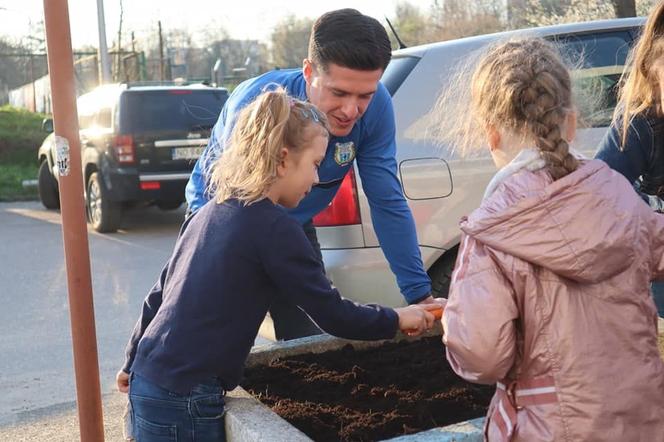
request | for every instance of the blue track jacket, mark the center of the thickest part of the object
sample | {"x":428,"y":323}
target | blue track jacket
{"x":371,"y":143}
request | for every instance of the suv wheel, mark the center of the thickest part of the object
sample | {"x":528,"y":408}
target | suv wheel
{"x":103,"y":214}
{"x":441,"y":274}
{"x":47,"y":186}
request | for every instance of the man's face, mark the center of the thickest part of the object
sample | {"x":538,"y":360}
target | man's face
{"x":343,"y":94}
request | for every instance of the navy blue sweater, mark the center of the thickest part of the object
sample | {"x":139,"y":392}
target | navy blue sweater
{"x":230,"y":262}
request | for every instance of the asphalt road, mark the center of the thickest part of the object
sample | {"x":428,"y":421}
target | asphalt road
{"x":36,"y":364}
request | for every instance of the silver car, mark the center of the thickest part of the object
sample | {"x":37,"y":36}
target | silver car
{"x":439,"y":185}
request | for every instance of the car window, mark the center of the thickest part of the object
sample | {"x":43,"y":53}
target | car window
{"x":85,"y":115}
{"x":597,"y":62}
{"x":103,"y":118}
{"x":597,"y":59}
{"x":85,"y":121}
{"x":397,"y":71}
{"x":170,"y":110}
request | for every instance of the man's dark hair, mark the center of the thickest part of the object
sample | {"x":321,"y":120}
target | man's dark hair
{"x":350,"y":39}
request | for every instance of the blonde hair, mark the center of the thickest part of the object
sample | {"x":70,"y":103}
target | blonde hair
{"x":639,"y":88}
{"x":248,"y":165}
{"x":522,"y":86}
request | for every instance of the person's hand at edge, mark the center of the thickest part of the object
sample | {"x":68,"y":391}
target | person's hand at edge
{"x":122,"y":381}
{"x":416,"y":319}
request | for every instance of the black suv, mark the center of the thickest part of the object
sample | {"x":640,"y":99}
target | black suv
{"x":138,"y":145}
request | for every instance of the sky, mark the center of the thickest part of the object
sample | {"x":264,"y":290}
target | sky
{"x":245,"y":19}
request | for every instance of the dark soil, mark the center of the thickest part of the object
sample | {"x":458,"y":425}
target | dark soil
{"x":366,"y":395}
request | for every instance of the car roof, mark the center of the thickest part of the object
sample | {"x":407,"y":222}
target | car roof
{"x":543,"y":31}
{"x":114,"y":89}
{"x":197,"y":86}
{"x":107,"y":95}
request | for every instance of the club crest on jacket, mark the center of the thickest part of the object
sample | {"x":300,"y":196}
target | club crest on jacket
{"x":344,"y":153}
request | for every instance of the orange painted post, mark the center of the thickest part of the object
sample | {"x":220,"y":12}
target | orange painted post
{"x":74,"y":229}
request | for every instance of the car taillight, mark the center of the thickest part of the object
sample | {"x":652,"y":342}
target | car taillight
{"x":123,"y":147}
{"x":344,"y":209}
{"x":150,"y":185}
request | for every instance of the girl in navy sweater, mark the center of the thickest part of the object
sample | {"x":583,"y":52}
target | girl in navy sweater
{"x":233,"y":258}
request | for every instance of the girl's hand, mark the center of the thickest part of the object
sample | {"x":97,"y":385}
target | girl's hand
{"x":416,"y":319}
{"x":122,"y":380}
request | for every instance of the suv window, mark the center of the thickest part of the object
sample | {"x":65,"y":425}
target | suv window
{"x":598,"y":61}
{"x":397,"y":71}
{"x":170,"y":110}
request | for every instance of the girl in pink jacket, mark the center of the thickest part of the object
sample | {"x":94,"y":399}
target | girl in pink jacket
{"x":550,"y":296}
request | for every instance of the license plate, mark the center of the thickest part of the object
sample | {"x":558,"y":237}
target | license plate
{"x":187,"y":153}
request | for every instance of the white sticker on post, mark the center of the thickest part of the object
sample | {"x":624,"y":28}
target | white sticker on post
{"x":62,"y":155}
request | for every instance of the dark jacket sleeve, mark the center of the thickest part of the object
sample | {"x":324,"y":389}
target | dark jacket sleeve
{"x":290,"y":262}
{"x":632,"y":160}
{"x":150,"y":307}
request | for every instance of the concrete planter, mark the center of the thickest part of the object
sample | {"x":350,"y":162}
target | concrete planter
{"x":248,"y":420}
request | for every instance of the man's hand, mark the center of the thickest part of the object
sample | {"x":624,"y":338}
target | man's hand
{"x":122,"y":380}
{"x":431,"y":300}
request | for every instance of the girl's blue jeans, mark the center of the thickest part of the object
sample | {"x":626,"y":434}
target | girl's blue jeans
{"x":160,"y":415}
{"x":658,"y":296}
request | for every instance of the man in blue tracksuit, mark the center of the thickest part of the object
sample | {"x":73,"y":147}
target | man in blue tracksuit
{"x":348,"y":53}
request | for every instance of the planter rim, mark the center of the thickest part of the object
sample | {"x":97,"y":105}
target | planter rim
{"x":249,"y":420}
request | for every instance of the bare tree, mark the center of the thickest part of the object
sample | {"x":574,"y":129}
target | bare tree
{"x":239,"y":58}
{"x":410,"y":24}
{"x":643,"y":7}
{"x":624,"y":8}
{"x":13,"y":72}
{"x":540,"y":13}
{"x":118,"y":60}
{"x":543,"y":12}
{"x":451,"y":19}
{"x":290,"y":40}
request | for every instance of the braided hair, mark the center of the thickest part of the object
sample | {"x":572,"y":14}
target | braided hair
{"x":523,"y":86}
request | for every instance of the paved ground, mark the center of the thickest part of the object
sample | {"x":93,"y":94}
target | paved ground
{"x":35,"y":332}
{"x":60,"y":423}
{"x":36,"y":366}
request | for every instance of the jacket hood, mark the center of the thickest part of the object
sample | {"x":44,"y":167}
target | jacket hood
{"x":580,"y":227}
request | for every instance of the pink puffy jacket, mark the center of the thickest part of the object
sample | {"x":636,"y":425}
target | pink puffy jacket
{"x":550,"y":301}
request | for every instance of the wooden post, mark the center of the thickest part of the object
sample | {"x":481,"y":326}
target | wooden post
{"x":74,"y":229}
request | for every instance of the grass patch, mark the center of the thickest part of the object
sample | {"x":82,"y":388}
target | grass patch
{"x":16,"y":166}
{"x":20,"y":138}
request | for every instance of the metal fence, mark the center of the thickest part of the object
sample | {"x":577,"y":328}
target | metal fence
{"x":36,"y":95}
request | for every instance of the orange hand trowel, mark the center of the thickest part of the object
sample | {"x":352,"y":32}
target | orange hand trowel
{"x":437,"y":314}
